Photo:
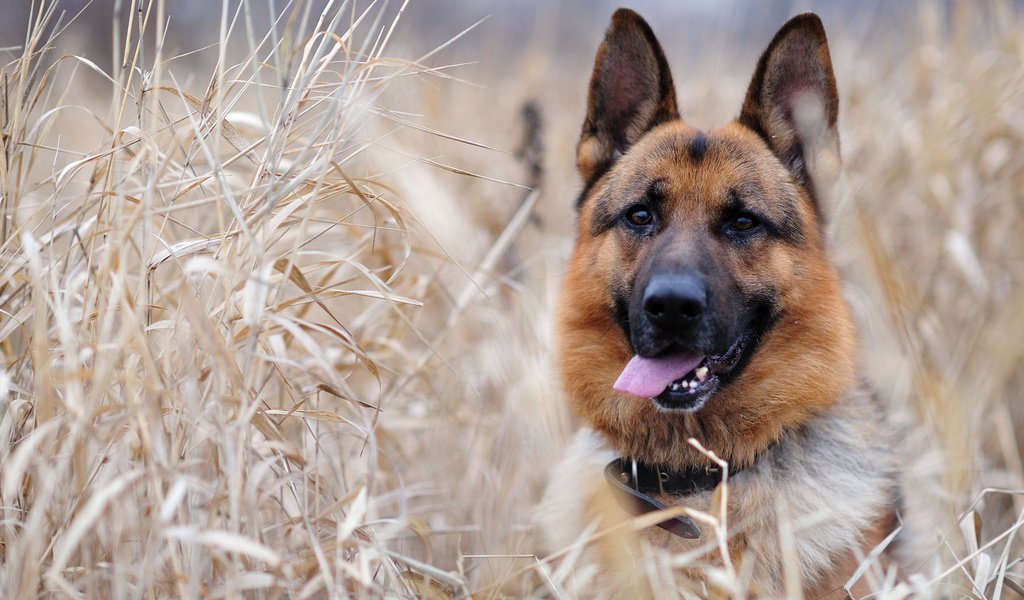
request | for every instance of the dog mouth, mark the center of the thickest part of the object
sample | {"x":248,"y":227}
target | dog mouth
{"x":682,"y":381}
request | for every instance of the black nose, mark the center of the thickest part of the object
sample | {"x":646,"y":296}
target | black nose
{"x":672,"y":301}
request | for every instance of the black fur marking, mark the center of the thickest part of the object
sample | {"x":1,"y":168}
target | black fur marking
{"x":793,"y":158}
{"x":588,"y":186}
{"x":655,"y":196}
{"x":620,"y":314}
{"x":764,"y":319}
{"x":698,"y":147}
{"x":784,"y":224}
{"x":607,"y":215}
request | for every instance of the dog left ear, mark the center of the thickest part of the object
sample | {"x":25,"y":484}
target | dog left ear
{"x":630,"y":92}
{"x":792,"y":103}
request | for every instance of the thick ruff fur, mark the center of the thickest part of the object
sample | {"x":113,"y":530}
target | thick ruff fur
{"x":827,"y":481}
{"x":736,"y":213}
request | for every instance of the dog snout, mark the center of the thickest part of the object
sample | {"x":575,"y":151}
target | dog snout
{"x":675,"y":301}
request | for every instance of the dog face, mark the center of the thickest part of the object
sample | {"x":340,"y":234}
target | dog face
{"x":699,"y":300}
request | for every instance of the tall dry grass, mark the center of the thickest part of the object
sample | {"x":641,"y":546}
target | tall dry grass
{"x":265,"y":331}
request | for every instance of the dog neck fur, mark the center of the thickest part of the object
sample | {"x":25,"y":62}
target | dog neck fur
{"x":815,"y":493}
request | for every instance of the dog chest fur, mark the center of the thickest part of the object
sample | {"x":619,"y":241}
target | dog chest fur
{"x":826,"y":483}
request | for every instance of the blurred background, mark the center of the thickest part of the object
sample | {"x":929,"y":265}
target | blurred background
{"x":404,"y":449}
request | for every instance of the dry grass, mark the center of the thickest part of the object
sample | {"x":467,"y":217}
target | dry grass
{"x":266,"y":334}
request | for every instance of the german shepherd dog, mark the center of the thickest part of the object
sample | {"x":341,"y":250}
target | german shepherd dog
{"x":700,"y":303}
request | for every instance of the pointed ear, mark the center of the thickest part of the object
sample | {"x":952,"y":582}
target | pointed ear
{"x":630,"y":92}
{"x":792,"y":103}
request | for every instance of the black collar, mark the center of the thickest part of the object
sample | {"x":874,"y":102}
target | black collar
{"x":632,"y":483}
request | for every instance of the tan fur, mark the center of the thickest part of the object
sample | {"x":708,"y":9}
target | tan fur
{"x":815,"y":446}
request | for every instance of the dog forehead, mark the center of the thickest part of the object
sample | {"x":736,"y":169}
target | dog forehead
{"x":698,"y":168}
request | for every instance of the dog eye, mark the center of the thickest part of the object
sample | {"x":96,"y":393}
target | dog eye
{"x":744,"y":222}
{"x":640,"y":215}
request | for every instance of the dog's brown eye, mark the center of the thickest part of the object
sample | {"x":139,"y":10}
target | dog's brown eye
{"x":640,"y":216}
{"x":743,"y":223}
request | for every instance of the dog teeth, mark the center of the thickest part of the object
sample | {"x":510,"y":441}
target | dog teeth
{"x":689,"y":384}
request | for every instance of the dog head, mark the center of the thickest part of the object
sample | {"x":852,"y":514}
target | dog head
{"x":699,"y":300}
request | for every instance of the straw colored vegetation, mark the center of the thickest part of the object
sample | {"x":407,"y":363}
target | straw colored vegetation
{"x":280,"y":327}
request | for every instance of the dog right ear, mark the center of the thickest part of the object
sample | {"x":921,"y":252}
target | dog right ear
{"x":630,"y":92}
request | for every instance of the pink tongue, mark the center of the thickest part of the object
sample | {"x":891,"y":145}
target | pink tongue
{"x":648,"y":377}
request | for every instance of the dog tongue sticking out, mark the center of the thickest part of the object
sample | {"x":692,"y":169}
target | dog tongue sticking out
{"x":648,"y":377}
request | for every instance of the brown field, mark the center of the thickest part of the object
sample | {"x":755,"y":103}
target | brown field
{"x":275,"y":296}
